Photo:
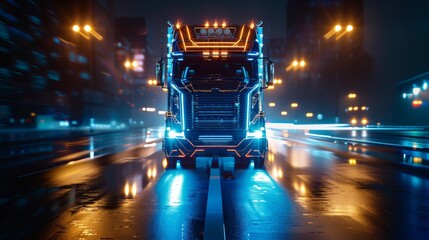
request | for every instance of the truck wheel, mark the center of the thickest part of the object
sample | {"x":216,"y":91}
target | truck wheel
{"x":188,"y":163}
{"x":171,"y":163}
{"x":259,"y":162}
{"x":242,"y":162}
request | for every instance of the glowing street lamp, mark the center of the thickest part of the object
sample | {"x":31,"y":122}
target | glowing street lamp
{"x":296,"y":64}
{"x":338,"y":30}
{"x":87,"y":28}
{"x":352,"y":95}
{"x":76,"y":28}
{"x":294,"y":105}
{"x":87,"y":31}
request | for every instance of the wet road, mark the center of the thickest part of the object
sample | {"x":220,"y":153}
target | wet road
{"x":311,"y":189}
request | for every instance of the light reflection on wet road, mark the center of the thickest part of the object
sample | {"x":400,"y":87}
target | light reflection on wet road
{"x":307,"y":191}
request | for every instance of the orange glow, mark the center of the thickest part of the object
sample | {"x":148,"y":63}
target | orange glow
{"x":177,"y":25}
{"x":224,"y":24}
{"x":134,"y":190}
{"x":352,"y":161}
{"x":309,"y":114}
{"x":190,"y":45}
{"x":283,"y":113}
{"x":252,"y":25}
{"x":127,"y":189}
{"x":350,"y":108}
{"x":417,"y":103}
{"x":295,"y":63}
{"x":364,"y":121}
{"x":215,"y":25}
{"x":206,"y":24}
{"x":76,"y":28}
{"x":294,"y":105}
{"x":352,"y":95}
{"x":338,"y":28}
{"x":87,"y":28}
{"x":164,"y":163}
{"x":353,"y":121}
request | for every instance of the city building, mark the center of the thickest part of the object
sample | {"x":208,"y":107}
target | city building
{"x":54,"y":74}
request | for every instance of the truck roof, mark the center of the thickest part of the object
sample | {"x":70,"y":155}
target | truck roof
{"x":223,"y":39}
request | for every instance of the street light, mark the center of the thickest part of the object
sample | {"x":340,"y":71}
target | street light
{"x":339,"y":32}
{"x":336,"y":30}
{"x":87,"y":28}
{"x":296,"y":64}
{"x":76,"y":28}
{"x":352,"y":95}
{"x":294,"y":105}
{"x":88,"y":32}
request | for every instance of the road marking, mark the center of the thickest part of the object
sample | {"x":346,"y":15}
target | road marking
{"x":214,"y":226}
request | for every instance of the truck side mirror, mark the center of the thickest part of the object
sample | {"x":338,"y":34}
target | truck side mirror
{"x":269,"y":74}
{"x":160,"y":73}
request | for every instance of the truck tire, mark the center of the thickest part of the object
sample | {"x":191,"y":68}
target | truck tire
{"x":259,"y":163}
{"x":171,"y":163}
{"x":188,"y":163}
{"x":242,"y":162}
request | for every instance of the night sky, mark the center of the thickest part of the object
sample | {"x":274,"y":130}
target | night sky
{"x":396,"y":32}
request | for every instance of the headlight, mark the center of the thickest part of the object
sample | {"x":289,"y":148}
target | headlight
{"x":174,"y":134}
{"x":255,"y":134}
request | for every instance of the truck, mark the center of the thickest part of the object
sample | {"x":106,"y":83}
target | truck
{"x":214,"y":76}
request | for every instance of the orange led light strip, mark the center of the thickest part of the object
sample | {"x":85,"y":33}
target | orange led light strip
{"x":222,"y":45}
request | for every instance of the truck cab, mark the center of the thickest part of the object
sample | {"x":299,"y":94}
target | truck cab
{"x":215,"y":77}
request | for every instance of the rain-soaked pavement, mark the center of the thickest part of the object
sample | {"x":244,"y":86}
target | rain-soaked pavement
{"x":311,"y":189}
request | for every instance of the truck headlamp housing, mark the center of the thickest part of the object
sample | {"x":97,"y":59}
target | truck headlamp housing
{"x":255,"y":134}
{"x":174,"y":134}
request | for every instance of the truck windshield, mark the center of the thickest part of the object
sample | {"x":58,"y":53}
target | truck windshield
{"x":215,"y":71}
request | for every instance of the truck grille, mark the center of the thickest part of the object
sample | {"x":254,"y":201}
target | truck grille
{"x":217,"y":111}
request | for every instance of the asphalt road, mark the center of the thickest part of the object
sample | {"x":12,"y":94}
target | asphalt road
{"x":311,"y":189}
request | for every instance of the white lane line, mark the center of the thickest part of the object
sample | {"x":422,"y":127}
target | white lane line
{"x":214,"y":226}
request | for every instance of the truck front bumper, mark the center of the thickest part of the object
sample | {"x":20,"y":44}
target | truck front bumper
{"x":246,"y":148}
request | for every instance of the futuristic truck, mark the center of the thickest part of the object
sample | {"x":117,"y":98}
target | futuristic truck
{"x":215,"y":76}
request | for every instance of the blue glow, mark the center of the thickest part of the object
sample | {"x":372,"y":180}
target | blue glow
{"x":91,"y":147}
{"x":84,"y":75}
{"x":248,"y":107}
{"x":174,"y":134}
{"x":425,"y":86}
{"x":177,"y":54}
{"x":82,"y":59}
{"x":256,"y":134}
{"x":416,"y":91}
{"x":253,"y":54}
{"x":404,"y":95}
{"x":175,"y":191}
